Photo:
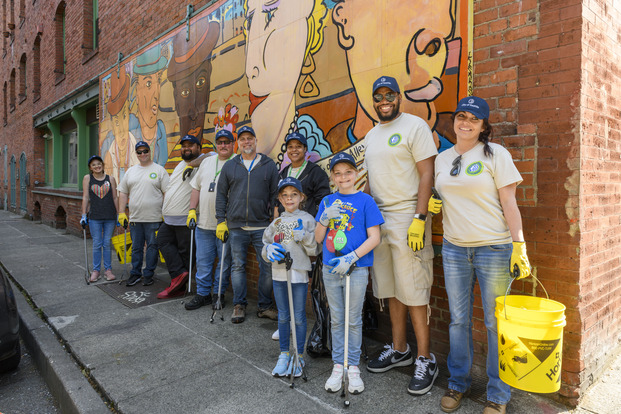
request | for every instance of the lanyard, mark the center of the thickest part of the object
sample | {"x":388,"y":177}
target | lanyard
{"x":252,"y":163}
{"x":218,"y":170}
{"x":299,"y":170}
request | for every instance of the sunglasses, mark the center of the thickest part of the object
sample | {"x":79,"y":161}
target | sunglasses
{"x":227,"y":142}
{"x":456,"y":166}
{"x":140,"y":152}
{"x":389,"y":96}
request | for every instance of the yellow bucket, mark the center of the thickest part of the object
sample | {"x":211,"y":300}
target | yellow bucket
{"x":117,"y":243}
{"x":530,"y":342}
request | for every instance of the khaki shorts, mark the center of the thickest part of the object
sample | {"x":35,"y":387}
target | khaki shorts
{"x":398,"y":272}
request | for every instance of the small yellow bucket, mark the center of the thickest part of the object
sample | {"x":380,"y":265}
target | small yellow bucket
{"x":117,"y":243}
{"x":530,"y":341}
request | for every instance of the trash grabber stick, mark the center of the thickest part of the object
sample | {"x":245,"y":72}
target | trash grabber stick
{"x":192,"y":228}
{"x":345,"y":392}
{"x":86,"y":275}
{"x":124,"y":252}
{"x":218,"y":304}
{"x":296,"y":355}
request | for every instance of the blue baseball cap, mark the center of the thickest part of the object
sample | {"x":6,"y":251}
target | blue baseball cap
{"x":190,"y":138}
{"x":387,"y":81}
{"x":93,"y":158}
{"x":475,"y":105}
{"x":342,"y":157}
{"x":296,"y":136}
{"x":290,"y":181}
{"x":141,"y":144}
{"x":225,"y":133}
{"x":246,"y":128}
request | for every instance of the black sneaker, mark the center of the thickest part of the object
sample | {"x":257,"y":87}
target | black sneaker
{"x":133,"y":279}
{"x":198,"y":301}
{"x":215,"y":301}
{"x":390,"y":358}
{"x":425,"y":374}
{"x":147,"y":281}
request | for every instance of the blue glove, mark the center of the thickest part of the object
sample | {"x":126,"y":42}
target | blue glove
{"x":298,"y":232}
{"x":275,"y":252}
{"x":84,"y":221}
{"x":331,"y":213}
{"x":343,"y":263}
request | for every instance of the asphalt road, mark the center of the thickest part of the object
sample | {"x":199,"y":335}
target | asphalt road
{"x":23,"y":391}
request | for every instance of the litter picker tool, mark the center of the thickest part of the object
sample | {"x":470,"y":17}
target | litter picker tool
{"x":86,"y":275}
{"x":296,"y":356}
{"x":124,"y":251}
{"x":192,"y":227}
{"x":218,"y":305}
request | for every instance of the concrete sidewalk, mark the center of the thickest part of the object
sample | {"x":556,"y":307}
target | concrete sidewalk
{"x":102,"y":356}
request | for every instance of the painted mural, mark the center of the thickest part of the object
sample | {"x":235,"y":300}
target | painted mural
{"x":283,"y":66}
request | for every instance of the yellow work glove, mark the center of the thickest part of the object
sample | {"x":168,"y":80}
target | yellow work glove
{"x":187,"y":172}
{"x":416,"y":234}
{"x":520,"y":266}
{"x":222,"y":231}
{"x":123,"y":220}
{"x":435,"y":204}
{"x":191,"y":221}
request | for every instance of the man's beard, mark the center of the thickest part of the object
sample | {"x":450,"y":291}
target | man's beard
{"x":248,"y":150}
{"x":395,"y":112}
{"x":188,"y":156}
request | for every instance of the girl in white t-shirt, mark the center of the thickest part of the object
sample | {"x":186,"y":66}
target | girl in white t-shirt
{"x":483,"y":240}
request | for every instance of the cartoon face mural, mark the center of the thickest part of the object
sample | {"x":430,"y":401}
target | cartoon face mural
{"x":412,"y":49}
{"x":189,"y":71}
{"x":280,"y":36}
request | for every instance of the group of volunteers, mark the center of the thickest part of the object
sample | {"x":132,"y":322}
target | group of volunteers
{"x":291,"y":218}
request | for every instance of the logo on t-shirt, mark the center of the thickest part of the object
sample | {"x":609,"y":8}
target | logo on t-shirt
{"x":394,"y":140}
{"x":475,"y":168}
{"x":153,"y":176}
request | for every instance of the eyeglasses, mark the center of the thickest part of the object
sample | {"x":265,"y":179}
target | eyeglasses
{"x":390,"y":97}
{"x":456,"y":166}
{"x":227,"y":142}
{"x":140,"y":152}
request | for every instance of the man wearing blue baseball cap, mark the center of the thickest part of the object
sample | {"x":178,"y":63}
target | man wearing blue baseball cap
{"x":245,"y":201}
{"x":399,"y":159}
{"x":174,"y":237}
{"x":146,"y":183}
{"x":208,"y":246}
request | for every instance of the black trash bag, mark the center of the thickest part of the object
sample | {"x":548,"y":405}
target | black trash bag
{"x":319,"y":342}
{"x":369,"y":314}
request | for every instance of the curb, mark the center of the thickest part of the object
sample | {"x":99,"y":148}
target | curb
{"x":71,"y":390}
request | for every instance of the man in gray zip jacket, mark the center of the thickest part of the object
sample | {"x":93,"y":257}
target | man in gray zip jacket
{"x":245,"y":199}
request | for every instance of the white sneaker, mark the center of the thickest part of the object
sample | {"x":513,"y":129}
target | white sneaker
{"x":276,"y":335}
{"x":356,"y":386}
{"x":333,"y":384}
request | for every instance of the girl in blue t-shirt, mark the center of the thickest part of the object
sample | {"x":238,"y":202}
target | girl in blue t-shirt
{"x":350,"y":218}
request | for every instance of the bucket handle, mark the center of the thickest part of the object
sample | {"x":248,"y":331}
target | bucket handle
{"x":509,"y":289}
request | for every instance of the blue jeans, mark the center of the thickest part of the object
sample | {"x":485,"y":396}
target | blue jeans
{"x":208,"y":248}
{"x":240,"y":240}
{"x":299,"y":291}
{"x":101,"y":232}
{"x":335,"y":291}
{"x":462,"y":267}
{"x":141,"y":233}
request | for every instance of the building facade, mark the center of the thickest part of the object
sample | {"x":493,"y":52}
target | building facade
{"x":77,"y":79}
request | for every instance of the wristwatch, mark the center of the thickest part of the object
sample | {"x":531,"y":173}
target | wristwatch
{"x":422,"y":217}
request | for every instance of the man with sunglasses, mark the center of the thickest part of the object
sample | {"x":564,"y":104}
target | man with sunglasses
{"x":146,"y":183}
{"x":399,"y":159}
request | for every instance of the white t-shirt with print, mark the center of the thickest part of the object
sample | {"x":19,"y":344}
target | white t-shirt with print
{"x":207,"y":174}
{"x":471,"y":209}
{"x":145,"y":187}
{"x":392,"y":151}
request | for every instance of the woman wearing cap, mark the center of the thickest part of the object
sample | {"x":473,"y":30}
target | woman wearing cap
{"x":99,"y":192}
{"x":483,"y":240}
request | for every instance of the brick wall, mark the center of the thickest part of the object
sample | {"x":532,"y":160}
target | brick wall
{"x":599,"y":305}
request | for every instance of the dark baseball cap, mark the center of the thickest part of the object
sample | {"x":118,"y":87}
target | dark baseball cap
{"x":475,"y":105}
{"x":387,"y":81}
{"x":225,"y":133}
{"x":93,"y":158}
{"x":342,"y":157}
{"x":141,"y":144}
{"x":290,"y":181}
{"x":190,"y":138}
{"x":246,"y":128}
{"x":296,"y":136}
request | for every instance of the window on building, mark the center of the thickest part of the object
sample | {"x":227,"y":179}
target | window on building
{"x":59,"y":40}
{"x":22,"y":78}
{"x":22,"y":11}
{"x":11,"y":15}
{"x":36,"y":69}
{"x":12,"y":91}
{"x":5,"y":104}
{"x":70,"y":158}
{"x":91,"y":20}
